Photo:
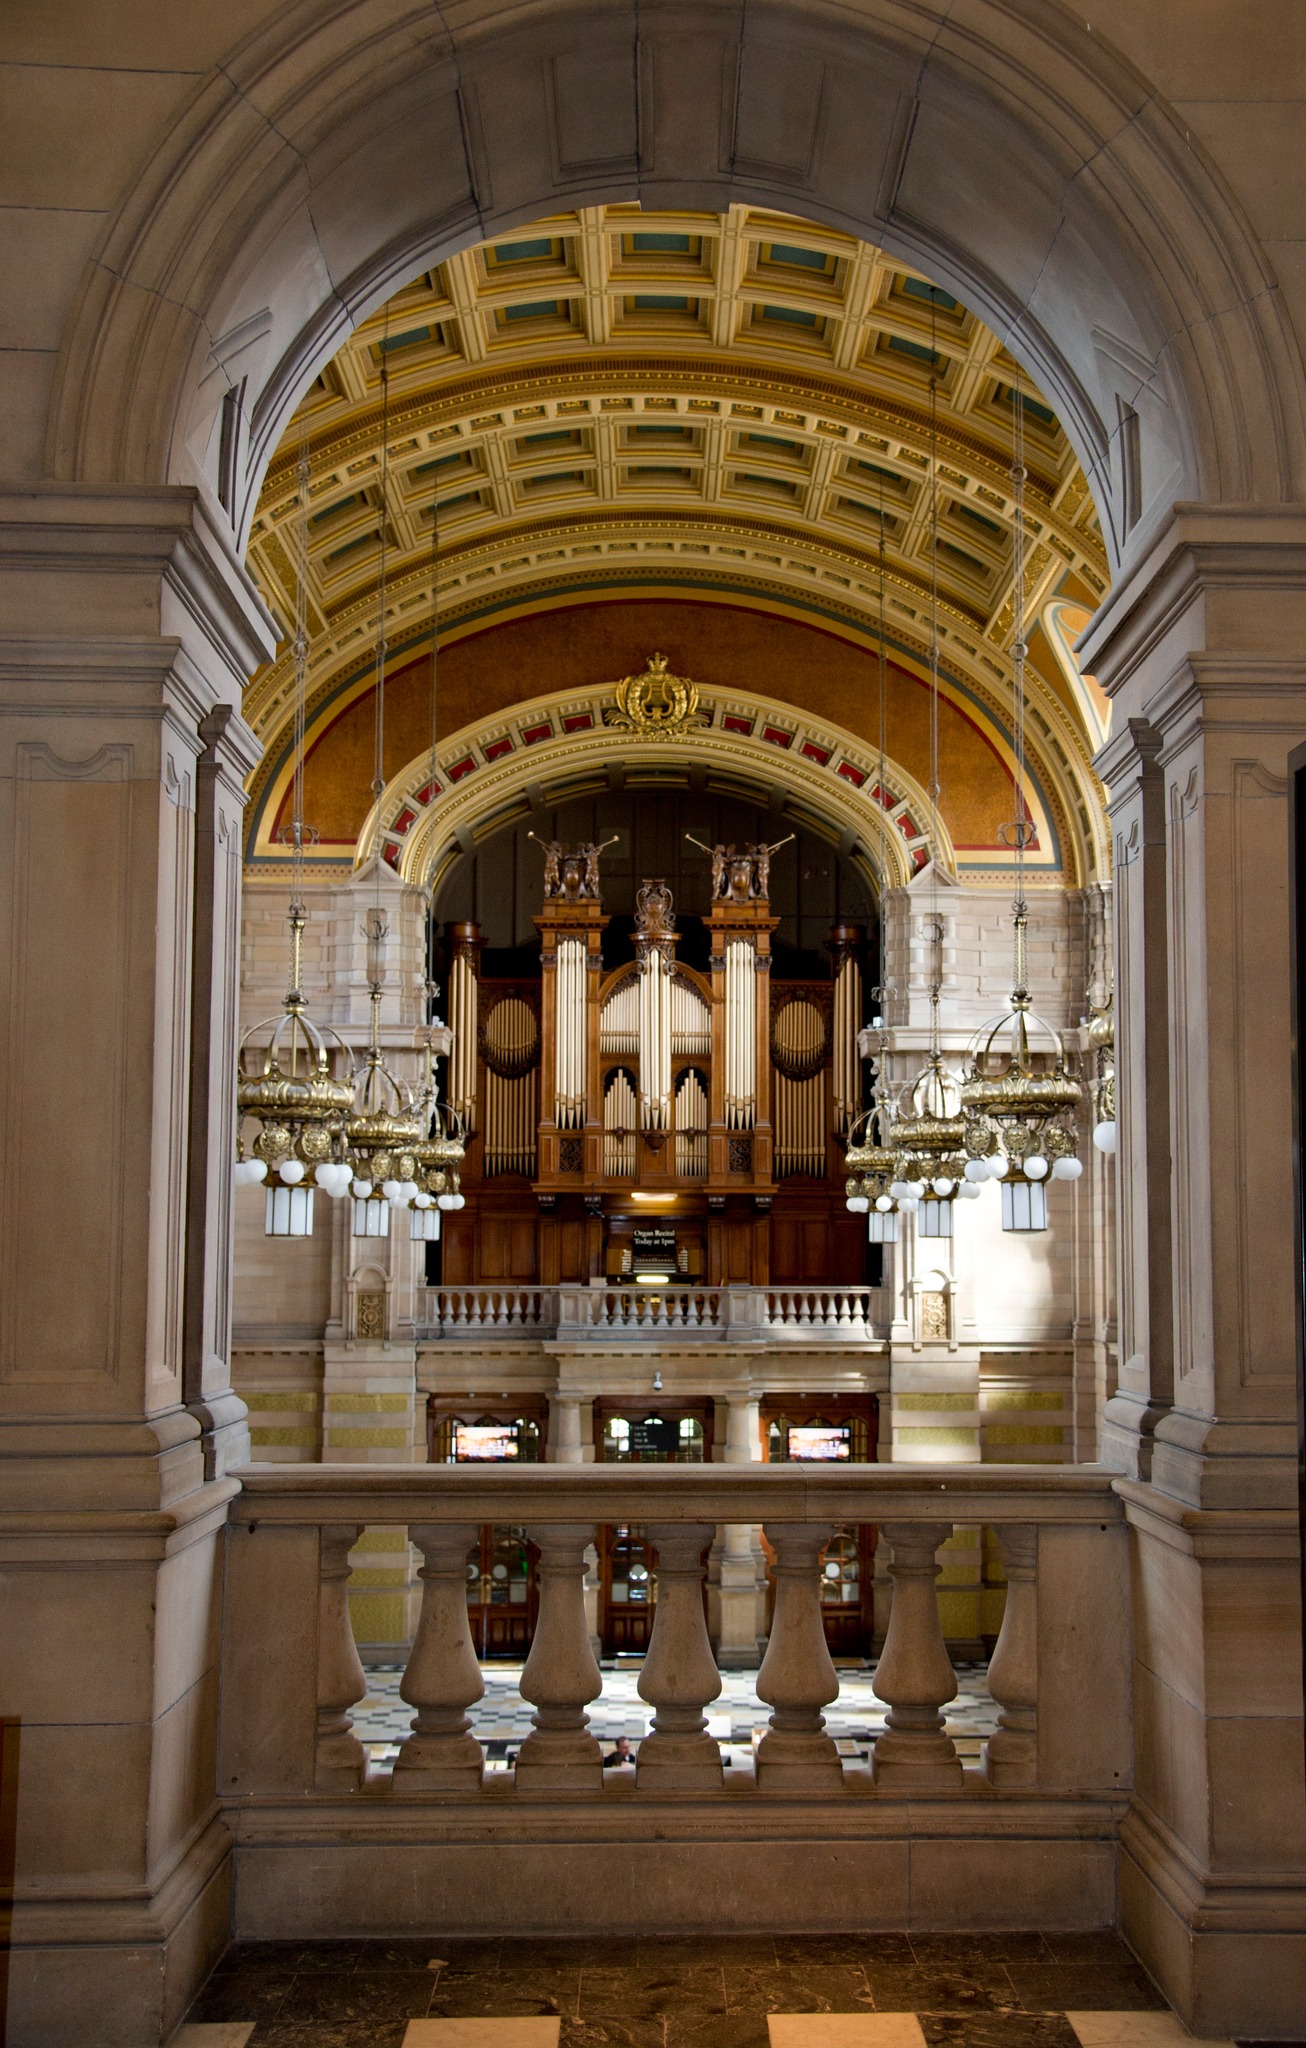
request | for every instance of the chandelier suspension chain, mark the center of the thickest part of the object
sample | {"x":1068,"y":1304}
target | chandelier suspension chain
{"x":1018,"y":650}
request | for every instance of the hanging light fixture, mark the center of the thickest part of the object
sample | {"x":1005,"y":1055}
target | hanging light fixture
{"x":928,"y":1134}
{"x":872,"y":1163}
{"x":384,"y":1128}
{"x":929,"y":1141}
{"x":441,"y":1150}
{"x":1102,"y":1038}
{"x":1020,"y":1101}
{"x":299,"y":1107}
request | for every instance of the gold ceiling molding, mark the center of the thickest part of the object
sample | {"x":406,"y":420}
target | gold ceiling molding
{"x":558,"y":746}
{"x":625,"y":367}
{"x":1056,"y":743}
{"x":549,"y":748}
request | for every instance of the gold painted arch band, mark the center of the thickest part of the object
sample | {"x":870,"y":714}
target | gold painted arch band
{"x":833,"y":785}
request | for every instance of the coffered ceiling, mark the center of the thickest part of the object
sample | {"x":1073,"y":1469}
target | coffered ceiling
{"x":612,"y":397}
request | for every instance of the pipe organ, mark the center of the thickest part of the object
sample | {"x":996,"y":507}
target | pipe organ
{"x":569,"y":1034}
{"x":713,"y":1092}
{"x":655,"y":952}
{"x":845,"y":946}
{"x":463,"y":977}
{"x":510,"y":1050}
{"x":800,"y":1045}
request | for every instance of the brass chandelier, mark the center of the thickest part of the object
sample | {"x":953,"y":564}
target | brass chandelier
{"x":1020,"y":1100}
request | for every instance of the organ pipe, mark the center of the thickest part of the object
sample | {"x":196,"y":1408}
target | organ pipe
{"x":619,"y":1022}
{"x":655,"y":1042}
{"x":847,"y":1024}
{"x":511,"y":1114}
{"x":798,"y":1045}
{"x":569,"y":1025}
{"x":462,"y":1020}
{"x":619,"y":1140}
{"x":741,"y":1035}
{"x":691,"y":1126}
{"x":691,"y":1021}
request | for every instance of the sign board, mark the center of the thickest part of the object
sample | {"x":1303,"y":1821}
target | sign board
{"x":653,"y":1437}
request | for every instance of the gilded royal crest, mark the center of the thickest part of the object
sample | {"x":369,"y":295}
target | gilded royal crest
{"x":656,"y":705}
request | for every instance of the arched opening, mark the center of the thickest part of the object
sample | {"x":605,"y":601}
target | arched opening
{"x":1017,"y":162}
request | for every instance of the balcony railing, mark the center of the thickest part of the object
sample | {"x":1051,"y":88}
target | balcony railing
{"x":288,"y":1615}
{"x":721,"y":1314}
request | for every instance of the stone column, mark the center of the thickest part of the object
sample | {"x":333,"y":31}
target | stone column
{"x":741,"y":1582}
{"x":562,"y":1674}
{"x":915,"y":1675}
{"x":680,"y":1675}
{"x":443,"y":1677}
{"x":128,"y":624}
{"x":797,"y":1677}
{"x":565,"y":1446}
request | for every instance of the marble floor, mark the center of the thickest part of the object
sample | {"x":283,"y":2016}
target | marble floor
{"x":737,"y":1718}
{"x":873,"y":1990}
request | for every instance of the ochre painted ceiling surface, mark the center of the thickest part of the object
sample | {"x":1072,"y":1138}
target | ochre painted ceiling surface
{"x":728,"y":646}
{"x":564,"y":435}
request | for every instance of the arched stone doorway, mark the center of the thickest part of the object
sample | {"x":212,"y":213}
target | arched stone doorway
{"x":306,"y":177}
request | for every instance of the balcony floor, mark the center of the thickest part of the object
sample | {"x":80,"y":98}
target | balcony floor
{"x":881,"y":1990}
{"x":503,"y":1718}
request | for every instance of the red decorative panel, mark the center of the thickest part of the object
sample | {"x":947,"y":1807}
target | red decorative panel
{"x":497,"y":749}
{"x":533,"y":734}
{"x":851,"y":774}
{"x":425,"y":794}
{"x":777,"y":736}
{"x":406,"y":818}
{"x":812,"y":752}
{"x":908,"y":826}
{"x":460,"y":768}
{"x":732,"y":723}
{"x":579,"y":721}
{"x":391,"y":854}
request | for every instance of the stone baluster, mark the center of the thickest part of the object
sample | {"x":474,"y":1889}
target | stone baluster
{"x":561,"y":1675}
{"x":680,"y":1676}
{"x":797,"y":1677}
{"x":341,"y":1758}
{"x":1010,"y":1757}
{"x":845,"y":1311}
{"x":443,"y":1677}
{"x":914,"y":1675}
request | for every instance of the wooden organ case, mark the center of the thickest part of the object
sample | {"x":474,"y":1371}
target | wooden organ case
{"x":600,"y":1099}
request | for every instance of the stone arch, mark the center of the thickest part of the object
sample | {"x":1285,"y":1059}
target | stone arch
{"x":331,"y":157}
{"x":417,"y":835}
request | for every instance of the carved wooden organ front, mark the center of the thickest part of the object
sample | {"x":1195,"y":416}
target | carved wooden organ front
{"x":598,"y":1083}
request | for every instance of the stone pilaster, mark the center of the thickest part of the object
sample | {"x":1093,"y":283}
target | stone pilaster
{"x":1201,"y":651}
{"x":129,"y":629}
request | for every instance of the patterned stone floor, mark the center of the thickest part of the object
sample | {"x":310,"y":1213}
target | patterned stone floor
{"x":737,"y":1719}
{"x":873,"y":1990}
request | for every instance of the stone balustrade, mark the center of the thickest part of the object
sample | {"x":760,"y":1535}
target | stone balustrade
{"x":292,"y":1526}
{"x":723,"y":1314}
{"x":328,"y":1841}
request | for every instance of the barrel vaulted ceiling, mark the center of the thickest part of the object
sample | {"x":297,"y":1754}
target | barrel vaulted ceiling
{"x":737,"y":406}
